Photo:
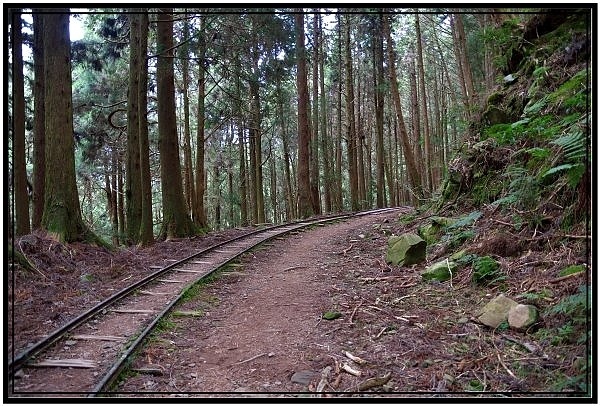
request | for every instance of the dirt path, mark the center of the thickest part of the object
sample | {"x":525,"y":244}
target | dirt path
{"x":262,"y":329}
{"x":261,"y":332}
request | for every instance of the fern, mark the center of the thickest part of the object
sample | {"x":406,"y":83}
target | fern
{"x":574,"y":154}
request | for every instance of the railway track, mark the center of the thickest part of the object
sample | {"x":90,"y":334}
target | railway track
{"x":98,"y":344}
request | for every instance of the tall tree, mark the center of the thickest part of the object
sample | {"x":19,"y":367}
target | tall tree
{"x":414,"y":176}
{"x":176,"y":221}
{"x":199,"y":212}
{"x":304,"y":201}
{"x":188,"y":173}
{"x":133,"y":180}
{"x":255,"y":131}
{"x":351,"y":132}
{"x":39,"y":131}
{"x":424,"y":110}
{"x":19,"y":167}
{"x":378,"y":81}
{"x":314,"y":141}
{"x":146,"y":226}
{"x":62,"y":214}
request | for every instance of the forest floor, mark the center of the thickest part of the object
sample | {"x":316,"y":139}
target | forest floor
{"x":261,"y":332}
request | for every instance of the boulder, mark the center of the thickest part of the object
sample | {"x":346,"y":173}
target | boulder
{"x":406,"y":249}
{"x":522,"y":316}
{"x":496,"y":311}
{"x":440,"y":271}
{"x":432,"y":231}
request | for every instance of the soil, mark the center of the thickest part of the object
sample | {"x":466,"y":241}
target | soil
{"x":258,"y":329}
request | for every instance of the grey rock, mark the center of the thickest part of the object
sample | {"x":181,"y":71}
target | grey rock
{"x":522,"y":316}
{"x":303,"y":377}
{"x":496,"y":311}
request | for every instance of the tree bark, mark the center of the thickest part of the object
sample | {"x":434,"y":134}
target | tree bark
{"x":188,"y":174}
{"x":351,"y":131}
{"x":146,"y":226}
{"x":21,"y":198}
{"x":305,"y":208}
{"x":326,"y":144}
{"x":424,"y":114}
{"x":199,"y":211}
{"x":62,"y":213}
{"x":378,"y":81}
{"x":176,"y":222}
{"x":133,"y":180}
{"x":39,"y":131}
{"x":314,"y":142}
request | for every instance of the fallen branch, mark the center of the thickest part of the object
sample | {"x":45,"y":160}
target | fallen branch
{"x":381,"y":332}
{"x":562,"y":278}
{"x":291,"y":268}
{"x":252,"y":359}
{"x":351,"y":370}
{"x":324,"y":375}
{"x":375,"y":382}
{"x":354,"y":311}
{"x":354,"y":358}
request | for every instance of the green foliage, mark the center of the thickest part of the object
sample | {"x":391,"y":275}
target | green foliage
{"x":524,"y":188}
{"x":576,"y":306}
{"x":536,"y":298}
{"x":504,"y":40}
{"x":571,"y":269}
{"x":574,"y":152}
{"x":503,"y":133}
{"x":467,"y":220}
{"x":487,"y":272}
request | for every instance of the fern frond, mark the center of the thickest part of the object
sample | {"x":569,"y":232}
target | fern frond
{"x":573,"y":146}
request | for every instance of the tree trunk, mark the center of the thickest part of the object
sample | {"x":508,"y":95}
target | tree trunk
{"x":243,"y":184}
{"x":146,"y":226}
{"x":21,"y":198}
{"x":188,"y":175}
{"x":379,"y":83}
{"x":314,"y":143}
{"x":326,"y":144}
{"x":62,"y":213}
{"x":424,"y":115}
{"x":414,"y":176}
{"x":176,"y":222}
{"x":133,"y":180}
{"x":339,"y":198}
{"x":351,"y":132}
{"x":199,"y":211}
{"x":39,"y":131}
{"x":305,"y":208}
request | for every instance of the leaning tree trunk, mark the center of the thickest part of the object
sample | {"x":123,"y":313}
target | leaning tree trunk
{"x":176,"y":221}
{"x":414,"y":176}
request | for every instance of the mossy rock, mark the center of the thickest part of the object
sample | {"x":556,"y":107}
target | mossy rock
{"x":407,"y":249}
{"x":440,"y":271}
{"x":496,"y":311}
{"x":494,"y":115}
{"x":522,"y":316}
{"x":432,"y":231}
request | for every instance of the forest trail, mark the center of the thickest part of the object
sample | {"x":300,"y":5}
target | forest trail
{"x":262,"y":328}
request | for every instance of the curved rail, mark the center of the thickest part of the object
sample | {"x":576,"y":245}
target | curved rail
{"x":114,"y":370}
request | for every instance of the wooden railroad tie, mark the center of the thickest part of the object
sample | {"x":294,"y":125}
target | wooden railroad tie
{"x":102,"y":338}
{"x":68,"y":363}
{"x":131,"y":311}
